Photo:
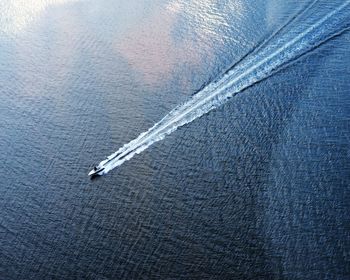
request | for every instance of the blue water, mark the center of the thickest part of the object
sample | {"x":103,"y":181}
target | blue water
{"x":257,"y":188}
{"x":269,"y":57}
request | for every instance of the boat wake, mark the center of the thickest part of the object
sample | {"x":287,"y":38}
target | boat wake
{"x":272,"y":55}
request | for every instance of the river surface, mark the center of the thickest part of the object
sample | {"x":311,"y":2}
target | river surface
{"x":258,"y":188}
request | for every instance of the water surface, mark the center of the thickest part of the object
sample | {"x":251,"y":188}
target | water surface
{"x":258,"y":188}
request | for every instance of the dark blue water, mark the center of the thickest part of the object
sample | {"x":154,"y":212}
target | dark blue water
{"x":258,"y":188}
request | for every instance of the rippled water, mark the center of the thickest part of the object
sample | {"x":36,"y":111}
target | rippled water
{"x":258,"y":188}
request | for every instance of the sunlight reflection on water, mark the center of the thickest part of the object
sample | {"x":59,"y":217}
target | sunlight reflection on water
{"x":17,"y":15}
{"x":154,"y":50}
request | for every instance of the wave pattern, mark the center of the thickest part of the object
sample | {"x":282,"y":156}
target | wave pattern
{"x":272,"y":55}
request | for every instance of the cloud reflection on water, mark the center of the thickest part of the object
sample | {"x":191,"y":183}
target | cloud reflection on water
{"x":155,"y":47}
{"x":18,"y":14}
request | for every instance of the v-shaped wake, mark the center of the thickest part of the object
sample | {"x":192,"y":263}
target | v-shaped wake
{"x":268,"y":58}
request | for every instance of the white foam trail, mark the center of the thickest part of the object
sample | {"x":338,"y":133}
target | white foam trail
{"x":253,"y":69}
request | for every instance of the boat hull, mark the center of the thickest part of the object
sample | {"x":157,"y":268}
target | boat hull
{"x":94,"y":173}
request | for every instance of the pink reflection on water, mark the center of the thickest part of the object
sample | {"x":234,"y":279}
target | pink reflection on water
{"x":152,"y":50}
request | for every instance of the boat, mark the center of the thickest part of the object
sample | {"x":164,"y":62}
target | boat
{"x":96,"y":171}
